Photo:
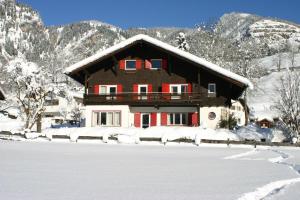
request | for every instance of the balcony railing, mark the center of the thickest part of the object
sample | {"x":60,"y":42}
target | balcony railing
{"x":149,"y":98}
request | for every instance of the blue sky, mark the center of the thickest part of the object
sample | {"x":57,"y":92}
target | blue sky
{"x":157,"y":13}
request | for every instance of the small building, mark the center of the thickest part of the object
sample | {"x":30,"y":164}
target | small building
{"x":265,"y":122}
{"x":144,"y":82}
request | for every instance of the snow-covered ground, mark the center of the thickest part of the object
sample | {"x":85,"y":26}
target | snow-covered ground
{"x":36,"y":170}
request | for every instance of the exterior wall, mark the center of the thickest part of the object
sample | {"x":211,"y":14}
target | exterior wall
{"x":127,"y":113}
{"x":213,"y":123}
{"x":205,"y":121}
{"x":238,"y":112}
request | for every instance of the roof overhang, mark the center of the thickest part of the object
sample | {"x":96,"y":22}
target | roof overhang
{"x":82,"y":65}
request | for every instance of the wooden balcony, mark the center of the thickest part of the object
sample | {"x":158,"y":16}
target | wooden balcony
{"x":187,"y":99}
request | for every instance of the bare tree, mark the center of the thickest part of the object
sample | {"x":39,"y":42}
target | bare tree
{"x":289,"y":102}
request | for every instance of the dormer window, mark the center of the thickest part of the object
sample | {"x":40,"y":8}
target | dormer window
{"x":212,"y":89}
{"x":130,"y":65}
{"x":156,"y":63}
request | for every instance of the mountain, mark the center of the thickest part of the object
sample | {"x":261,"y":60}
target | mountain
{"x":266,"y":41}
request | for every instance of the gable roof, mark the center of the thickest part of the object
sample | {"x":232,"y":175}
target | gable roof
{"x":141,"y":37}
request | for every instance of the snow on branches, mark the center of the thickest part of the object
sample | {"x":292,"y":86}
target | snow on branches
{"x":289,"y":102}
{"x":181,"y":42}
{"x":31,"y":88}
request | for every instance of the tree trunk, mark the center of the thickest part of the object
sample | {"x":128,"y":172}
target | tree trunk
{"x":245,"y":108}
{"x":39,"y":123}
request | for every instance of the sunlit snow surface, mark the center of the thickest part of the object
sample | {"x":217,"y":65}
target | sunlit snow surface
{"x":58,"y":170}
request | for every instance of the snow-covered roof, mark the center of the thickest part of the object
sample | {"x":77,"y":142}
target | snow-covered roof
{"x":162,"y":45}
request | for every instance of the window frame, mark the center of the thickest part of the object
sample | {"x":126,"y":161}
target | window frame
{"x":129,"y":69}
{"x":107,"y":92}
{"x":174,"y":117}
{"x":98,"y":115}
{"x":161,"y":62}
{"x":215,"y":88}
{"x":179,"y":91}
{"x":179,"y":87}
{"x":139,"y":91}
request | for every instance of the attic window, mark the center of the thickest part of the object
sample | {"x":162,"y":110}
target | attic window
{"x":211,"y":88}
{"x":156,"y":63}
{"x":130,"y":65}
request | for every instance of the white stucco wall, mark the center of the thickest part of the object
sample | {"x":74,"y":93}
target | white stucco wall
{"x":204,"y":112}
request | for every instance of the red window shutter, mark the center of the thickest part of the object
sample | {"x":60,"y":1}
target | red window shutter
{"x":122,"y":64}
{"x":195,"y":119}
{"x":137,"y":120}
{"x":166,"y":90}
{"x":135,"y":91}
{"x":150,"y":89}
{"x":135,"y":88}
{"x":148,"y":64}
{"x":189,"y":88}
{"x":153,"y":119}
{"x":138,"y":64}
{"x":164,"y":119}
{"x":119,"y":88}
{"x":119,"y":91}
{"x":164,"y":64}
{"x":96,"y":89}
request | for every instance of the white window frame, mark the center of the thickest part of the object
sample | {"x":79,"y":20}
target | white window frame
{"x":99,"y":113}
{"x":139,"y":91}
{"x":141,"y":119}
{"x":126,"y":65}
{"x":215,"y":88}
{"x":108,"y":91}
{"x":179,"y":92}
{"x":174,"y":124}
{"x":161,"y":60}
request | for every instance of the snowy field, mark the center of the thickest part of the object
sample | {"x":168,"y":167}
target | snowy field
{"x":56,"y":170}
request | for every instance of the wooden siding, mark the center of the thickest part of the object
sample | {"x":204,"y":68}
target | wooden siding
{"x":179,"y":71}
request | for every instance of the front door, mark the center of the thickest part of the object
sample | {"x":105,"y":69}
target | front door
{"x":145,"y":120}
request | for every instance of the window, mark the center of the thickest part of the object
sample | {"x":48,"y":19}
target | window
{"x":130,"y":64}
{"x":211,"y":88}
{"x":111,"y":118}
{"x":109,"y":90}
{"x":212,"y":115}
{"x":178,"y":89}
{"x":156,"y":63}
{"x":143,"y":90}
{"x":177,"y":118}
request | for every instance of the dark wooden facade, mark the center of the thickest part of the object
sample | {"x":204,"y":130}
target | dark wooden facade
{"x":106,"y":71}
